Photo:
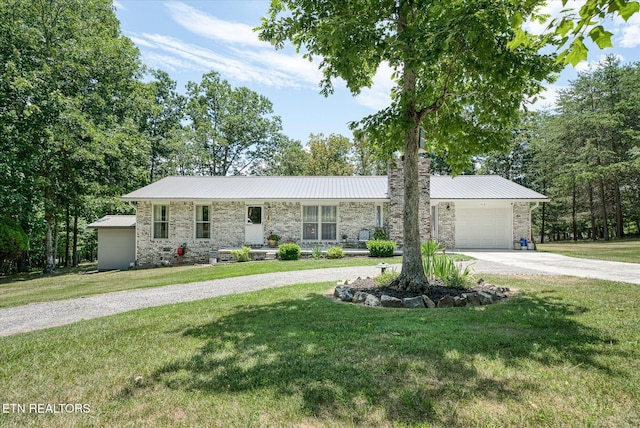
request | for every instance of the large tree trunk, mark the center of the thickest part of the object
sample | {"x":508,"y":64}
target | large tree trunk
{"x":412,"y":276}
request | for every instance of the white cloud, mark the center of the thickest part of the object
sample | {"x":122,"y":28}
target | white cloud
{"x":261,"y":66}
{"x":118,"y":5}
{"x":379,"y":95}
{"x":630,"y":32}
{"x":211,"y":27}
{"x":547,"y":99}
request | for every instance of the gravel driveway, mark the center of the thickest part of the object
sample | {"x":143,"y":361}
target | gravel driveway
{"x":37,"y":316}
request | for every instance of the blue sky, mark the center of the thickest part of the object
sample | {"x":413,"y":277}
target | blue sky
{"x":190,"y":38}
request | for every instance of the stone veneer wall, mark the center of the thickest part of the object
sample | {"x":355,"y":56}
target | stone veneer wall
{"x":521,"y":221}
{"x":447,"y":224}
{"x":284,"y":219}
{"x":227,"y":228}
{"x":396,"y":206}
{"x":355,"y":216}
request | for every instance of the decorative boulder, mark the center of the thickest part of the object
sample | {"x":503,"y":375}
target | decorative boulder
{"x":472,"y":299}
{"x":360,"y":297}
{"x":428,"y":302}
{"x":390,"y":302}
{"x":485,"y":298}
{"x":413,"y":302}
{"x":344,"y":293}
{"x":371,"y":300}
{"x":447,"y":302}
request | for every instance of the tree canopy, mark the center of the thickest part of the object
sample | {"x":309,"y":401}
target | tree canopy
{"x":457,"y":76}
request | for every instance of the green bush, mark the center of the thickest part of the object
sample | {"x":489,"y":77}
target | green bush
{"x":289,"y":251}
{"x":379,"y":235}
{"x":386,"y":278}
{"x":242,"y":255}
{"x":316,"y":252}
{"x":335,"y":253}
{"x":381,"y":248}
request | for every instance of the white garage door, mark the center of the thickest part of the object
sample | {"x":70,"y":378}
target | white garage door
{"x":483,"y":226}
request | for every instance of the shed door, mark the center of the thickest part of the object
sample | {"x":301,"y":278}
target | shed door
{"x":483,"y":225}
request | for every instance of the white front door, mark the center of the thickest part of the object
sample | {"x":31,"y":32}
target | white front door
{"x":254,"y":231}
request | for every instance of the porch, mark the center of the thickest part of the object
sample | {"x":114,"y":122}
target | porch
{"x":270,"y":253}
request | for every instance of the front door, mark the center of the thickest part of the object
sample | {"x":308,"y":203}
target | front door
{"x":254,"y":232}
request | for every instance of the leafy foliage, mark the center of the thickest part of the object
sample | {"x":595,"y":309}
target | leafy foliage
{"x":13,"y":242}
{"x":335,"y":252}
{"x":379,"y":248}
{"x":289,"y":251}
{"x":242,"y":255}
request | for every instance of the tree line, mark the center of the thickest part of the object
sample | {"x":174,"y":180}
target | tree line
{"x":83,"y":121}
{"x":585,"y":156}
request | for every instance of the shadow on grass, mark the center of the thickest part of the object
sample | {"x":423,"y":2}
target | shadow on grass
{"x":417,"y":366}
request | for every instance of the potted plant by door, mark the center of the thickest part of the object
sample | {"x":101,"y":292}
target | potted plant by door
{"x":273,"y":239}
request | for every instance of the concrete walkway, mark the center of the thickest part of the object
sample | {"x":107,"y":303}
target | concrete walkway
{"x":556,"y":264}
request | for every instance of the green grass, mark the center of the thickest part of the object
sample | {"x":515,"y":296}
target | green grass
{"x":35,"y":287}
{"x":626,"y":250}
{"x":565,"y":352}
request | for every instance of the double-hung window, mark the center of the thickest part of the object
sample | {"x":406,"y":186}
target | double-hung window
{"x":203,"y":222}
{"x":319,"y":222}
{"x":160,"y":222}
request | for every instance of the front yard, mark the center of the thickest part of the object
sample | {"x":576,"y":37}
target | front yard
{"x":626,"y":250}
{"x":565,"y":352}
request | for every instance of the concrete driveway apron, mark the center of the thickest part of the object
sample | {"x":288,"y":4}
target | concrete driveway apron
{"x":556,"y":264}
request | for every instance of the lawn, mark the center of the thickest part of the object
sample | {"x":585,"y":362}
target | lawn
{"x":564,"y":352}
{"x":35,"y":287}
{"x":626,"y":250}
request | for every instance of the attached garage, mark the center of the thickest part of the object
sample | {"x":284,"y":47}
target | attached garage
{"x":116,"y":241}
{"x":483,"y":225}
{"x":481,"y":211}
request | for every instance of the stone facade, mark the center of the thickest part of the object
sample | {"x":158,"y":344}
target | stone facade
{"x":228,"y":230}
{"x":447,"y":224}
{"x":396,"y":204}
{"x":521,"y":221}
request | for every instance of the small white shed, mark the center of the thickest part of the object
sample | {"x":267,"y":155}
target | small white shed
{"x":116,"y":241}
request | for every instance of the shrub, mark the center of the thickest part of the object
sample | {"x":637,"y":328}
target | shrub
{"x":452,"y":274}
{"x":316,"y":252}
{"x":242,"y":255}
{"x":386,"y":278}
{"x":429,"y":251}
{"x":335,"y":253}
{"x":289,"y":251}
{"x":381,"y":248}
{"x":379,"y":235}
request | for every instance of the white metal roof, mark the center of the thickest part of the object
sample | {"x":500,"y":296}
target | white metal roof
{"x":114,"y":222}
{"x":272,"y":188}
{"x":335,"y":188}
{"x":481,"y":187}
